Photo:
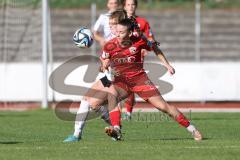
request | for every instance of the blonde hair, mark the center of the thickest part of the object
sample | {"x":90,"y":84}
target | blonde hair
{"x":119,"y":15}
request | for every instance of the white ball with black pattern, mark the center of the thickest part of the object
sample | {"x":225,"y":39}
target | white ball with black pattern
{"x":83,"y":37}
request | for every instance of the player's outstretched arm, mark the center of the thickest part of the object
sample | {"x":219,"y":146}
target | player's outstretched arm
{"x":100,"y":39}
{"x":163,"y":59}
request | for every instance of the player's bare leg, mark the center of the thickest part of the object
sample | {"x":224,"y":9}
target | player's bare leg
{"x":91,"y":102}
{"x":115,"y":96}
{"x":128,"y":103}
{"x":96,"y":94}
{"x":93,"y":99}
{"x":118,"y":93}
{"x":172,"y":111}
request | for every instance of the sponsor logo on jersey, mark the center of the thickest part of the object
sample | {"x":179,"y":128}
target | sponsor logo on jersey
{"x":133,"y":50}
{"x":105,"y":55}
{"x":129,"y":59}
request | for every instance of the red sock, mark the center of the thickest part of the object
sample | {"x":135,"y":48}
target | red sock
{"x":115,"y":117}
{"x":182,"y":120}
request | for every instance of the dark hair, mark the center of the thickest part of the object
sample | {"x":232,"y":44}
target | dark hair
{"x":124,"y":2}
{"x":119,"y":14}
{"x":128,"y":23}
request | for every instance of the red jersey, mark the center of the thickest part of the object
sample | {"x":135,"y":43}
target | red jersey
{"x":144,"y":26}
{"x":126,"y":62}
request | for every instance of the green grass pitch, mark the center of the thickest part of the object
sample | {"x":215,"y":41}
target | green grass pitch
{"x":38,"y":135}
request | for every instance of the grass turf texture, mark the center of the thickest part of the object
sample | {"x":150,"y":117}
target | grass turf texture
{"x":39,"y":135}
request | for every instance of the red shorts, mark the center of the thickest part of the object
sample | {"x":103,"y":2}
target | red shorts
{"x":139,"y":84}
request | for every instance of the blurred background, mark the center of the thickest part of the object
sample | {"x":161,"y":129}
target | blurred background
{"x":199,"y":37}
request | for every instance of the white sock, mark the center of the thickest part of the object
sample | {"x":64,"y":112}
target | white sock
{"x":191,"y":128}
{"x":81,"y":118}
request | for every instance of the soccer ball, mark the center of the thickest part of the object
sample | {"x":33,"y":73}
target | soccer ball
{"x":83,"y":37}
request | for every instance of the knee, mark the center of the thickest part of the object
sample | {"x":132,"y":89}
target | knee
{"x":92,"y":102}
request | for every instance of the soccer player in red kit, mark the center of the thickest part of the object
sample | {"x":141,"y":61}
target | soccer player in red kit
{"x":126,"y":61}
{"x":130,"y":6}
{"x":142,"y":27}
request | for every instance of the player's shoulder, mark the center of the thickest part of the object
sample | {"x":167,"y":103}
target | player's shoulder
{"x":139,"y":40}
{"x":103,"y":16}
{"x":110,"y":45}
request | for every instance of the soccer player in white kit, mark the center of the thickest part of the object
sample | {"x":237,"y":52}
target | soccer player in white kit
{"x":93,"y":96}
{"x":101,"y":29}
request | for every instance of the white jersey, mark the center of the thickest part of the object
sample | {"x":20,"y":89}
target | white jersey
{"x":102,"y":25}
